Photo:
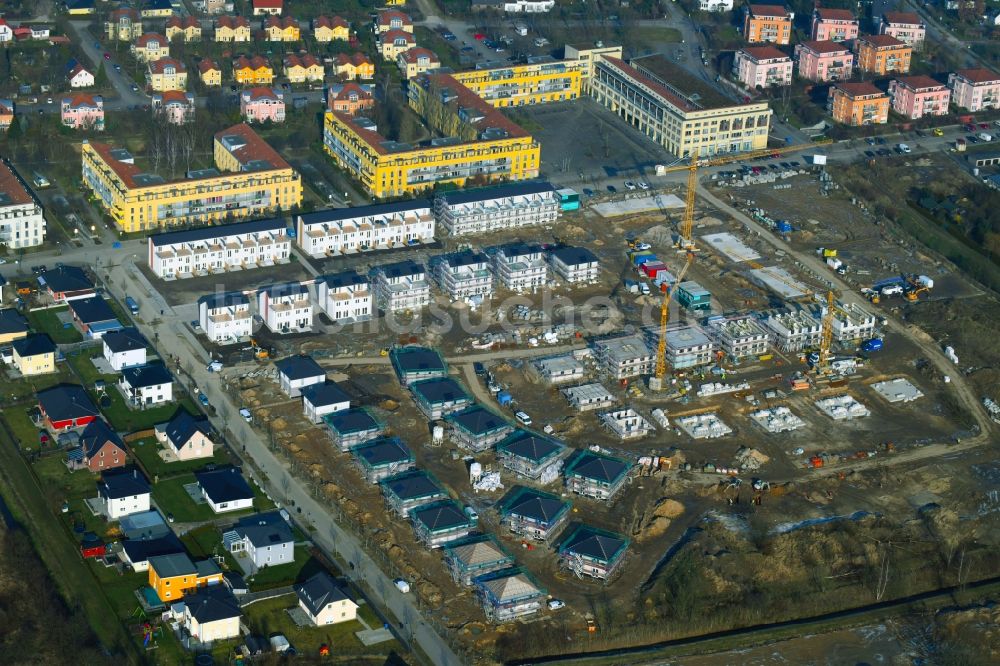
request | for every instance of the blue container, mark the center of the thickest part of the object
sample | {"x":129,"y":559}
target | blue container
{"x":783,"y":226}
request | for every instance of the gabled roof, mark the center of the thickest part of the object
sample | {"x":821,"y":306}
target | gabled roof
{"x":978,"y":75}
{"x":299,"y":367}
{"x":232,"y":22}
{"x":343,"y":91}
{"x":255,"y":63}
{"x":254,"y":94}
{"x":533,"y":504}
{"x":530,"y":446}
{"x":414,"y":55}
{"x":34,"y":345}
{"x":391,"y":36}
{"x":153,"y":374}
{"x":157,"y":66}
{"x":439,"y":516}
{"x":903,"y":18}
{"x":477,"y":420}
{"x":264,"y":529}
{"x":414,"y":484}
{"x":225,"y":484}
{"x":345,"y":279}
{"x":383,"y":451}
{"x":356,"y":58}
{"x":144,"y":40}
{"x":96,"y":435}
{"x":319,"y":591}
{"x":766,"y":52}
{"x":122,"y":484}
{"x":80,"y":100}
{"x":307,"y":60}
{"x":12,"y":321}
{"x":329,"y":22}
{"x":65,"y":402}
{"x":268,"y":4}
{"x":322,"y":395}
{"x":385,"y":17}
{"x":140,"y":550}
{"x":282,"y":22}
{"x":186,"y":22}
{"x":769,"y":11}
{"x":824,"y":46}
{"x":127,"y":339}
{"x":218,"y":231}
{"x":169,"y":97}
{"x":829,"y":14}
{"x":599,"y":467}
{"x":208,"y":64}
{"x":182,"y":427}
{"x":439,"y":390}
{"x":881,"y":41}
{"x":595,"y":544}
{"x":212,"y":604}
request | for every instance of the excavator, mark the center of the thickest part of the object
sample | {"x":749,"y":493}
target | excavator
{"x":259,"y":353}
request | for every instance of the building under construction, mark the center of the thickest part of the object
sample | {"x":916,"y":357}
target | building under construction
{"x":850,"y":322}
{"x":624,"y":356}
{"x":596,"y":475}
{"x":589,"y":551}
{"x":383,"y":457}
{"x":477,"y":428}
{"x":533,"y":514}
{"x":509,"y":594}
{"x":405,"y":492}
{"x":532,"y":456}
{"x":739,"y":337}
{"x":587,"y":397}
{"x":476,"y":556}
{"x":441,"y":522}
{"x":792,"y":330}
{"x":626,"y":423}
{"x":688,"y":346}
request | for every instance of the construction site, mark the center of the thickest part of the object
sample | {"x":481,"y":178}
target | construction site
{"x":752,"y":398}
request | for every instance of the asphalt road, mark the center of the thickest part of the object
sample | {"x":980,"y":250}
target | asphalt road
{"x":121,"y":83}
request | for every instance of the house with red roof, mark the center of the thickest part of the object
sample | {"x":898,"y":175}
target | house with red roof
{"x":267,"y":7}
{"x":349,"y":98}
{"x":258,"y":105}
{"x":83,"y":111}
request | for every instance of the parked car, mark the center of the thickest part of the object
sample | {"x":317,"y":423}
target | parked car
{"x":643,"y":185}
{"x":940,"y":132}
{"x":401,"y":585}
{"x":107,"y":56}
{"x":639,"y":247}
{"x":612,"y":189}
{"x":556,"y":604}
{"x":629,"y":185}
{"x":245,"y":413}
{"x":203,"y":399}
{"x":479,"y":369}
{"x":471,"y":513}
{"x":522,"y":418}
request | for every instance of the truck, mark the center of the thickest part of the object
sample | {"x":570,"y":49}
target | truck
{"x":132,"y":305}
{"x":892,"y":290}
{"x":873,"y":345}
{"x":903,"y":148}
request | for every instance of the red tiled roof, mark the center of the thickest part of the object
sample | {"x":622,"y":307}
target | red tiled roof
{"x":394,"y":34}
{"x":255,"y":148}
{"x":355,"y":59}
{"x":764,"y":52}
{"x":268,"y":4}
{"x":824,"y":46}
{"x":468,"y":99}
{"x":328,"y":22}
{"x":186,"y":22}
{"x":174,"y":97}
{"x":904,"y":18}
{"x":253,"y":63}
{"x":881,"y":41}
{"x":83,"y":99}
{"x":827,"y":14}
{"x":768,"y":10}
{"x":124,"y":11}
{"x":261,"y":93}
{"x":232,"y":22}
{"x":206,"y":64}
{"x":919,"y":82}
{"x":346,"y":90}
{"x":280,"y":22}
{"x":157,"y":66}
{"x":660,"y":90}
{"x":12,"y":186}
{"x":76,"y":70}
{"x":307,"y":60}
{"x":385,"y":18}
{"x":858,"y":89}
{"x":978,"y":75}
{"x":414,"y":54}
{"x":144,"y":39}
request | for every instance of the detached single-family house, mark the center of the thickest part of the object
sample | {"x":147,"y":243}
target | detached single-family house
{"x":394,"y":42}
{"x":352,"y":427}
{"x":439,"y":397}
{"x":174,"y":576}
{"x":34,"y":355}
{"x":94,"y":317}
{"x":13,"y":326}
{"x":67,"y":283}
{"x":232,"y":29}
{"x":225,"y":489}
{"x":589,"y":551}
{"x":79,"y":76}
{"x":297,"y":372}
{"x":124,"y":24}
{"x":414,"y":364}
{"x":123,"y":493}
{"x":210,"y":72}
{"x":261,"y":540}
{"x":267,"y":7}
{"x":151,"y":46}
{"x":83,"y":111}
{"x":124,"y":349}
{"x":211,"y":614}
{"x":476,"y":556}
{"x":66,"y":406}
{"x":318,"y":400}
{"x":147,"y":385}
{"x":405,"y":492}
{"x":187,"y":28}
{"x":165,"y":74}
{"x":324,"y":602}
{"x":6,"y":31}
{"x":136,"y":552}
{"x":186,"y":437}
{"x":596,"y":475}
{"x":508,"y":594}
{"x":532,"y":456}
{"x":441,"y":522}
{"x":477,"y":428}
{"x":100,"y":449}
{"x":382,"y":458}
{"x":532,"y":513}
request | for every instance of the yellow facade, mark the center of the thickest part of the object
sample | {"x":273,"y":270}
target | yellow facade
{"x":300,"y":74}
{"x":250,"y":76}
{"x":238,"y":34}
{"x":157,"y":13}
{"x":282,"y":34}
{"x":37,"y":364}
{"x":152,"y":51}
{"x":164,"y":78}
{"x":324,"y":34}
{"x":388,"y":174}
{"x":7,"y":338}
{"x":138,"y":201}
{"x":123,"y":29}
{"x":81,"y":11}
{"x":521,"y":85}
{"x":211,"y":77}
{"x":351,"y":71}
{"x":189,"y":34}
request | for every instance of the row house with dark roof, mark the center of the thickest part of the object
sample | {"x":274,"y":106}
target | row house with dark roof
{"x":346,"y":297}
{"x":477,"y":429}
{"x":225,"y":317}
{"x":406,"y":491}
{"x":383,"y":457}
{"x":441,"y":522}
{"x":589,"y":551}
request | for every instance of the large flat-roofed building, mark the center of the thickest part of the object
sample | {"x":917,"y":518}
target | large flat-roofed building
{"x":792,"y":330}
{"x":22,"y":223}
{"x":219,"y":249}
{"x":589,"y":55}
{"x":539,"y":81}
{"x":688,"y":346}
{"x":344,"y":231}
{"x":520,"y":266}
{"x":624,"y":356}
{"x":465,"y":276}
{"x":475,"y":143}
{"x":678,"y":111}
{"x":345,"y":297}
{"x":493,"y":208}
{"x":250,"y":178}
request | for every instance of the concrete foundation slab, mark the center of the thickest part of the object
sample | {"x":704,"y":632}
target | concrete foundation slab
{"x":732,"y":247}
{"x":897,"y":390}
{"x":779,"y":281}
{"x":842,"y":408}
{"x":703,"y":426}
{"x":638,"y":205}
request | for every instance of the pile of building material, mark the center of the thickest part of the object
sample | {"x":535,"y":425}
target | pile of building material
{"x":626,"y":423}
{"x":715,"y":388}
{"x":750,"y":460}
{"x":779,"y":419}
{"x":897,"y":390}
{"x":703,"y":426}
{"x":842,"y":408}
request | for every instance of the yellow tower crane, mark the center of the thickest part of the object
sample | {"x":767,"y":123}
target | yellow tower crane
{"x":661,"y":350}
{"x":687,"y":224}
{"x":826,"y":335}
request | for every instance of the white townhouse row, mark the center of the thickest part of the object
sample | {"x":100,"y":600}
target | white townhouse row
{"x":401,"y":286}
{"x":344,"y":231}
{"x":464,"y":212}
{"x":465,"y":276}
{"x":520,"y":266}
{"x":219,"y":248}
{"x":225,"y":317}
{"x":286,"y":308}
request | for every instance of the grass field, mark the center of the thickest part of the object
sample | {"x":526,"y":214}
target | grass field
{"x":147,"y":451}
{"x":82,"y":364}
{"x":296,"y":571}
{"x":270,"y":616}
{"x":132,"y":420}
{"x":47,"y":321}
{"x":22,"y":428}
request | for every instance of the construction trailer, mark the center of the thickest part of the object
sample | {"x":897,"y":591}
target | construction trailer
{"x":532,"y":456}
{"x":467,"y":559}
{"x":597,"y":475}
{"x":693,"y":296}
{"x":624,"y":356}
{"x":441,"y":522}
{"x":477,"y":428}
{"x":589,"y":551}
{"x":383,"y":457}
{"x":558,"y":369}
{"x":792,"y":330}
{"x":587,"y":397}
{"x":509,"y":594}
{"x":739,"y":337}
{"x":532,"y":514}
{"x":437,"y":398}
{"x":626,"y":423}
{"x":352,"y":427}
{"x":414,"y":364}
{"x":405,"y":492}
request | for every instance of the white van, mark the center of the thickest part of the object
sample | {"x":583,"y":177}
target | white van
{"x":983,"y":136}
{"x":903,"y":148}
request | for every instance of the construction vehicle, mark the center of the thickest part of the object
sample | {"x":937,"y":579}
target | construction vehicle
{"x":259,"y":353}
{"x":916,"y":285}
{"x":656,"y":383}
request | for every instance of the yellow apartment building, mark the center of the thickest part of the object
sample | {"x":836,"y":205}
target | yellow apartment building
{"x":250,"y":179}
{"x":521,"y":85}
{"x":166,"y":74}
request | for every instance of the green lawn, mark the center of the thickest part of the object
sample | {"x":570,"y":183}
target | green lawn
{"x":132,"y":420}
{"x":82,"y":364}
{"x":285,"y":574}
{"x":22,"y":428}
{"x":171,"y":497}
{"x":47,"y":321}
{"x":147,"y":451}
